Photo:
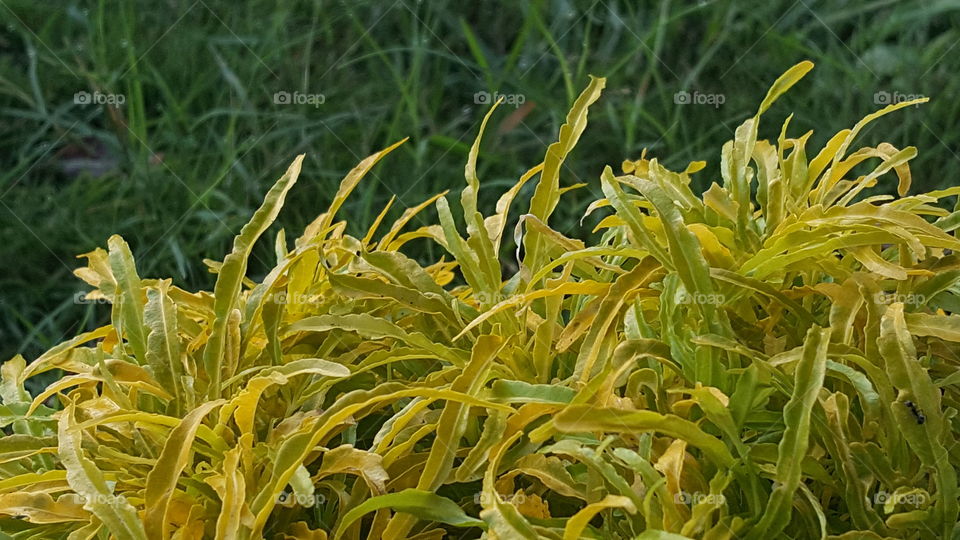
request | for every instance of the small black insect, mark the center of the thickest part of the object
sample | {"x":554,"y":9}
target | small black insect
{"x":916,"y":411}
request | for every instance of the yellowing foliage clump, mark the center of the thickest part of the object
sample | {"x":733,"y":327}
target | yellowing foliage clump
{"x":775,"y":358}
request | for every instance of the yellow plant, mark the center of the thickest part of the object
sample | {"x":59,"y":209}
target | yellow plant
{"x":775,"y":358}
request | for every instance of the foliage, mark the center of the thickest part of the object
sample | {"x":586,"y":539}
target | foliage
{"x":775,"y":358}
{"x":179,"y":167}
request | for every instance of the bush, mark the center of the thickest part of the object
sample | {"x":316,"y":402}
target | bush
{"x":773,"y":358}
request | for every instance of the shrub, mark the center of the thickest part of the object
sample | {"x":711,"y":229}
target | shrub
{"x":776,"y":358}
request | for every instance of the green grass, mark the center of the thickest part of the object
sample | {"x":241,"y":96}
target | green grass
{"x":199,"y":138}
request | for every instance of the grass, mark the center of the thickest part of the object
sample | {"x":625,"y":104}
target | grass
{"x":199,"y":138}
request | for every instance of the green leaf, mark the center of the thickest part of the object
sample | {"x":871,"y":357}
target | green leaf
{"x":588,"y":418}
{"x":129,"y":300}
{"x":163,"y":353}
{"x":230,"y":278}
{"x":547,"y":194}
{"x":416,"y":502}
